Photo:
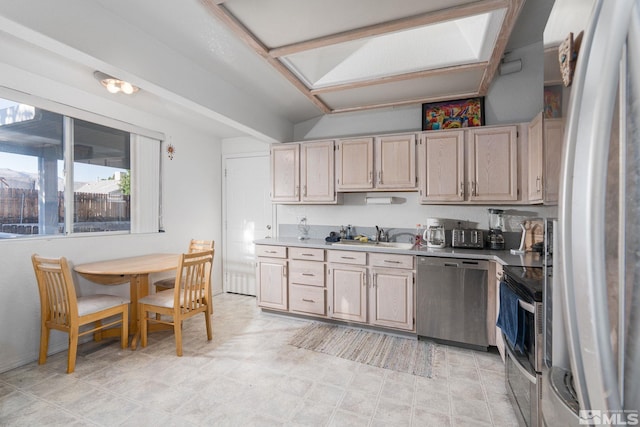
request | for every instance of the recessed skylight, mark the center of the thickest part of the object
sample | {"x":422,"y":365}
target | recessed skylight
{"x":445,"y":44}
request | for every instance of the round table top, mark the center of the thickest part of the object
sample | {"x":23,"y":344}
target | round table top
{"x":142,"y":264}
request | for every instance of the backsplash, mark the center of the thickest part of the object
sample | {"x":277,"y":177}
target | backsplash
{"x":403,"y":235}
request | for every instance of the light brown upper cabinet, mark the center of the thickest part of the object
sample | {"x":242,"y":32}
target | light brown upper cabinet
{"x":384,"y":163}
{"x":285,"y":172}
{"x":535,"y":159}
{"x":441,"y":167}
{"x":545,"y":152}
{"x":354,"y":164}
{"x":553,"y":147}
{"x":492,"y":164}
{"x":395,"y":157}
{"x":303,"y":172}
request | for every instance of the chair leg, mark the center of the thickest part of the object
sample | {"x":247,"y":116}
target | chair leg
{"x":177,"y":330}
{"x":142,"y":325}
{"x":97,"y":335}
{"x":207,"y":320}
{"x":124,"y":338}
{"x":44,"y":344}
{"x":73,"y":350}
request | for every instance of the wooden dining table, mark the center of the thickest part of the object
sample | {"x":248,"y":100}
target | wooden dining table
{"x":136,"y":271}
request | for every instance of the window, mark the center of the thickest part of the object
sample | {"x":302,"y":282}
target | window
{"x":63,"y":175}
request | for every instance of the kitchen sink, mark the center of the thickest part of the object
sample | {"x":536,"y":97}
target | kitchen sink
{"x":385,"y":245}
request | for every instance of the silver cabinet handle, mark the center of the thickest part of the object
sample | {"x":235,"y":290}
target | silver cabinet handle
{"x":307,"y":300}
{"x":308,"y":274}
{"x":462,"y":189}
{"x":392,"y":262}
{"x":347,"y":257}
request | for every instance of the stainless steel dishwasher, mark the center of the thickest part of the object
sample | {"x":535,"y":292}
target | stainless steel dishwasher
{"x":452,"y":300}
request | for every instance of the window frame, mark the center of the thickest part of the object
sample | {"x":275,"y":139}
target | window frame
{"x":70,"y":113}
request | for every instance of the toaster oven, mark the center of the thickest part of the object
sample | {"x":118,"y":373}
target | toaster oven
{"x":467,"y":238}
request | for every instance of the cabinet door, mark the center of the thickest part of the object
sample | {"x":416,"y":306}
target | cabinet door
{"x":347,"y":292}
{"x":317,"y":172}
{"x":553,"y":145}
{"x":535,"y":160}
{"x":391,"y":298}
{"x":395,"y":158}
{"x":354,"y":164}
{"x":271,"y":275}
{"x":492,"y":164}
{"x":285,"y":172}
{"x":441,"y":161}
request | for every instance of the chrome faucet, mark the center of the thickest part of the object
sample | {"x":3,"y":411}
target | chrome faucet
{"x":381,"y":235}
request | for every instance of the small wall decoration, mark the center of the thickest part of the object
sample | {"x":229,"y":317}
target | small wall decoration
{"x":453,"y":114}
{"x":171,"y":151}
{"x":568,"y":56}
{"x":553,"y":102}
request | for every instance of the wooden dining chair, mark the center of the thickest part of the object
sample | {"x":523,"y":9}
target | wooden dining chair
{"x":194,"y":246}
{"x":63,"y":310}
{"x":189,"y":297}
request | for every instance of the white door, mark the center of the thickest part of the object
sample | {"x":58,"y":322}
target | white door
{"x":248,"y":215}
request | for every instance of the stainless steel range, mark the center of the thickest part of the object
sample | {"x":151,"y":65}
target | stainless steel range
{"x":524,"y":349}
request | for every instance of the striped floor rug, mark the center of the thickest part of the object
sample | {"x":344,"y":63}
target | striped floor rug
{"x":372,"y":348}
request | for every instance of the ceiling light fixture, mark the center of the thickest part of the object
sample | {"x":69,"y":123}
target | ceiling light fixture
{"x":114,"y":85}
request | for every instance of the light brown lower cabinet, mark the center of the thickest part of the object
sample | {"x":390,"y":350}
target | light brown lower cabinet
{"x":272,"y":283}
{"x":307,"y":287}
{"x":271,"y":277}
{"x":391,"y":298}
{"x":380,"y":295}
{"x":499,"y":339}
{"x":369,"y":288}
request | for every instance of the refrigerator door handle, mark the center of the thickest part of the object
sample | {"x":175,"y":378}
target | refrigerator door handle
{"x":582,"y":206}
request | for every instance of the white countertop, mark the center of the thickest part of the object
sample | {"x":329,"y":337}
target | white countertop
{"x":529,"y":259}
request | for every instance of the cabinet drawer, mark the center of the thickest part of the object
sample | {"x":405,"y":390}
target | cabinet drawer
{"x":347,"y":257}
{"x":391,"y":260}
{"x":306,"y":273}
{"x":271,"y":251}
{"x":307,"y":299}
{"x":307,"y":253}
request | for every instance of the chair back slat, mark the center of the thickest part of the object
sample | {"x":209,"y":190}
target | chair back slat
{"x":200,"y":245}
{"x":194,"y":272}
{"x":57,"y":294}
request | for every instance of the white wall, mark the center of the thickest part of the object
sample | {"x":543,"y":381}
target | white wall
{"x":405,"y":212}
{"x":511,"y":98}
{"x":191,"y":201}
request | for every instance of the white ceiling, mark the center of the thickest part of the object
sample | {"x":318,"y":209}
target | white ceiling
{"x":191,"y":30}
{"x":350,"y":56}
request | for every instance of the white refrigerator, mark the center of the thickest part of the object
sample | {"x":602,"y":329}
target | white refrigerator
{"x":593,"y":362}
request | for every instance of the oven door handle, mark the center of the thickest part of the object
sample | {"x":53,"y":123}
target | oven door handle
{"x":528,"y":307}
{"x":532,"y":378}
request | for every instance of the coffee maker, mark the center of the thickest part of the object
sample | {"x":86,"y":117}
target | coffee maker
{"x":496,"y":226}
{"x":434,"y":233}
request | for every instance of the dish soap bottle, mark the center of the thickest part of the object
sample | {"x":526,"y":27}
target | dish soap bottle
{"x":418,"y":237}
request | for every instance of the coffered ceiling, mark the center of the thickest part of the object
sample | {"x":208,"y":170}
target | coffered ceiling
{"x":349,"y":56}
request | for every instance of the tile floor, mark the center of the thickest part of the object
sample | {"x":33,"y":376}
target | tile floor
{"x":249,"y":376}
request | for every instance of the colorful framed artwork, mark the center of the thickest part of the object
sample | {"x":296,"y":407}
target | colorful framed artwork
{"x":553,"y":102}
{"x":453,"y":114}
